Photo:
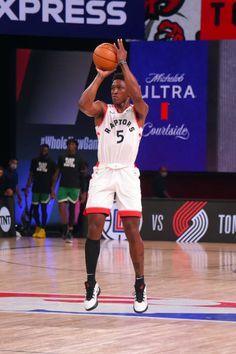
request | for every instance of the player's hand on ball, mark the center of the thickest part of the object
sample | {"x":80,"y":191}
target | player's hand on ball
{"x":103,"y":73}
{"x":120,"y":49}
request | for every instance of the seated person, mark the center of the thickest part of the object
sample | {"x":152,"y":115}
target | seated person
{"x":160,"y":189}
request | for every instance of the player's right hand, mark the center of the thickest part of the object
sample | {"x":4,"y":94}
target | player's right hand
{"x":104,"y":74}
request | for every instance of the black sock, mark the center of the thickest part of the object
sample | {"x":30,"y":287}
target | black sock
{"x":64,"y":229}
{"x":44,"y":215}
{"x":91,"y":279}
{"x":92,"y":250}
{"x":71,"y":214}
{"x":36,"y":214}
{"x":139,"y":281}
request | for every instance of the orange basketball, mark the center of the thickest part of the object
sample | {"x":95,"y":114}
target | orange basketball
{"x":104,"y":57}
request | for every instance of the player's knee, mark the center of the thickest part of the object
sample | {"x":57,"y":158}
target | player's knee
{"x":95,"y":226}
{"x":130,"y":224}
{"x":132,"y":232}
{"x":94,"y":231}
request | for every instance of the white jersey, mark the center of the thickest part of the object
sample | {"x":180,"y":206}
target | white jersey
{"x":119,"y":136}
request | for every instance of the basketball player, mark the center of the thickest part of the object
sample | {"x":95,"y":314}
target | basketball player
{"x":71,"y":187}
{"x":42,"y":170}
{"x":119,"y":129}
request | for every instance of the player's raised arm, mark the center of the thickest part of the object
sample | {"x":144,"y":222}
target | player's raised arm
{"x":87,"y":103}
{"x":132,"y":85}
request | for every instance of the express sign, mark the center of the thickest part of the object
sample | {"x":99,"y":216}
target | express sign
{"x":72,"y":18}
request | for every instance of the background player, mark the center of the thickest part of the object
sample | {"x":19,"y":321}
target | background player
{"x":42,"y":170}
{"x":72,"y":186}
{"x":119,"y":129}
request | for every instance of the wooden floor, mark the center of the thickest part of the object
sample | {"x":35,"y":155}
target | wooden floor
{"x":191,"y":290}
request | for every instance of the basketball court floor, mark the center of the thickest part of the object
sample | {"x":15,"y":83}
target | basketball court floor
{"x":191,"y":290}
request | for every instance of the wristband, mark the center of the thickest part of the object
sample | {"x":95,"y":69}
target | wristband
{"x":122,"y":62}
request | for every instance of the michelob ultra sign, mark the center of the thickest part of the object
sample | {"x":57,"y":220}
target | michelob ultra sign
{"x":173,"y":78}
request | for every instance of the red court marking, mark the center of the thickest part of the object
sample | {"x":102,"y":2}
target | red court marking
{"x":101,"y":300}
{"x":221,"y":304}
{"x":65,"y":296}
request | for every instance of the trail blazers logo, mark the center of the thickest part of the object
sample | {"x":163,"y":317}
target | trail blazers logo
{"x":190,"y":222}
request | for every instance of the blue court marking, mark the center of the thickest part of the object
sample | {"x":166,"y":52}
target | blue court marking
{"x":226,"y":317}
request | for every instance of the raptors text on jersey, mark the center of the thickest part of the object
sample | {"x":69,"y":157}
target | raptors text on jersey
{"x":119,"y":136}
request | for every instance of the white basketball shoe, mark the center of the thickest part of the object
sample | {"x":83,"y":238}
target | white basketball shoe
{"x":140,"y":298}
{"x":91,"y":297}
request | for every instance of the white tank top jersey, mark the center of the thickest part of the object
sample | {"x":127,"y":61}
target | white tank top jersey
{"x":119,"y":136}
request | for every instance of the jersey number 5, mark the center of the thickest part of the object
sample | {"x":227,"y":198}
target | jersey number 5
{"x":120,"y":136}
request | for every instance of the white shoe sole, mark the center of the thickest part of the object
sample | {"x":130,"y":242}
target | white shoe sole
{"x":135,"y":310}
{"x":96,"y":304}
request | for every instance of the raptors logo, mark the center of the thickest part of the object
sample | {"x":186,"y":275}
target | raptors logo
{"x":165,"y":8}
{"x":190,"y":222}
{"x":183,"y":19}
{"x":168,"y":30}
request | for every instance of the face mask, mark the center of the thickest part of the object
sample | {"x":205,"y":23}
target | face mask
{"x":164,"y":174}
{"x":13,"y":166}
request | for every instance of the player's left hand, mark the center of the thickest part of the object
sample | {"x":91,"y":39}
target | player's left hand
{"x":120,"y":49}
